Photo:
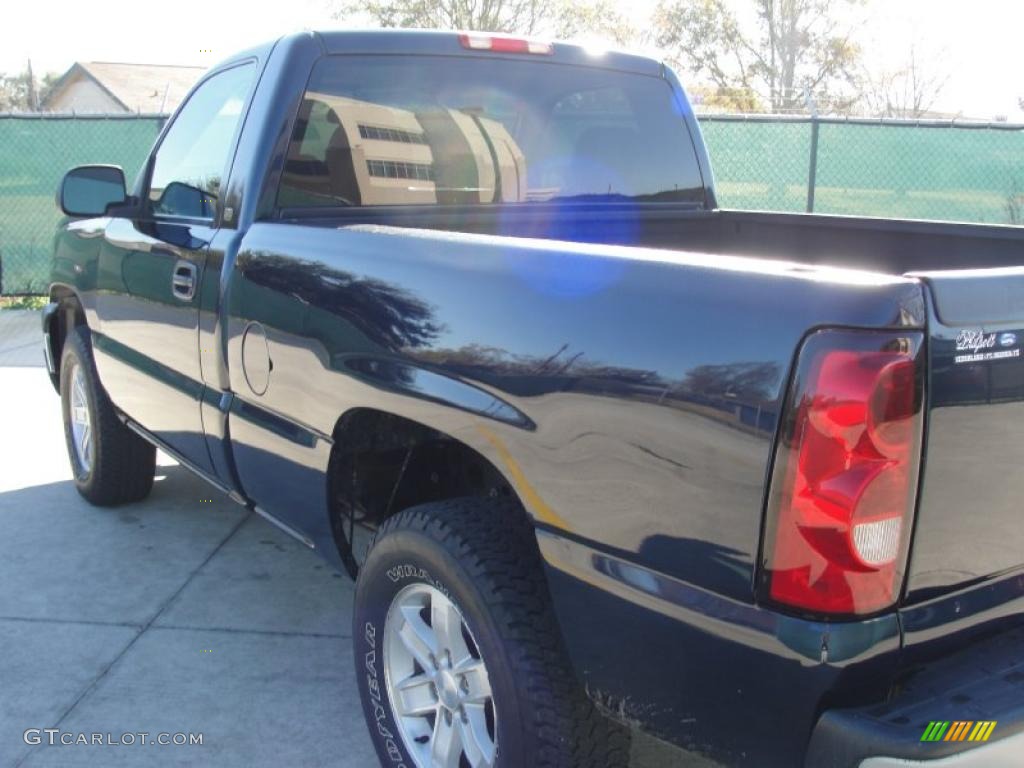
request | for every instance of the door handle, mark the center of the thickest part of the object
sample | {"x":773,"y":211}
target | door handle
{"x":183,"y":280}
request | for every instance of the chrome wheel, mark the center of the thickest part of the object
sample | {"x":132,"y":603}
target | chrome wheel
{"x":81,"y":424}
{"x":437,"y":682}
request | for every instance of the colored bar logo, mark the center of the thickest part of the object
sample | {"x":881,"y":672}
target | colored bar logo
{"x":959,"y":730}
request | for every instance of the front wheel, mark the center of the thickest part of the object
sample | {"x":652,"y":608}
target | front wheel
{"x":459,"y":659}
{"x":110,"y":463}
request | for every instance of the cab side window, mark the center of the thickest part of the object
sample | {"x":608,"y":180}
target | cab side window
{"x":193,"y":156}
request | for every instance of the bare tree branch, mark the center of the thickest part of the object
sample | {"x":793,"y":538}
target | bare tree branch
{"x":909,"y":91}
{"x":776,"y":48}
{"x":562,"y":18}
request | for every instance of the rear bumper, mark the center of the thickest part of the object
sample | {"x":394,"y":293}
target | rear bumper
{"x":983,"y":683}
{"x":1005,"y":753}
{"x":736,"y":682}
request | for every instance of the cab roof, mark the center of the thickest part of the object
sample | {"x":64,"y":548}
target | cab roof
{"x":444,"y":43}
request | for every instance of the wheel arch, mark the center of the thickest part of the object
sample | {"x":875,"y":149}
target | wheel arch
{"x":382,"y":463}
{"x":64,"y":313}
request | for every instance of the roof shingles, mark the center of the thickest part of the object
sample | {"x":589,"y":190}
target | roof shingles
{"x":147,"y":88}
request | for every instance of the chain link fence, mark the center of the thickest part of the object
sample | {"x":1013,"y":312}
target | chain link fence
{"x":952,"y":171}
{"x":35,"y":152}
{"x":920,"y":170}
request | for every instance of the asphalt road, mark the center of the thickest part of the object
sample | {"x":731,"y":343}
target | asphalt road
{"x":181,"y":614}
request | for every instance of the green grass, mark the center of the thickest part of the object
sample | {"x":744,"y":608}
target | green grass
{"x":22,"y":302}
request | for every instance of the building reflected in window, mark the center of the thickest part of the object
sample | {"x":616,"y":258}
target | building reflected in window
{"x":350,"y":152}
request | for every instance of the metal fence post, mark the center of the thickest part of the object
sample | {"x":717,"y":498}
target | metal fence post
{"x":812,"y":173}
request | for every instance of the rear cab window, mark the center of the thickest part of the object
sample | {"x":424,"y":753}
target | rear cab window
{"x":450,"y":130}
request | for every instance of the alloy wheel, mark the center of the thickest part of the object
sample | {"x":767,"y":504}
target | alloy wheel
{"x":437,"y":682}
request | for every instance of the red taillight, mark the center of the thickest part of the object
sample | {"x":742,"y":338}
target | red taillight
{"x":502,"y":44}
{"x":845,"y":477}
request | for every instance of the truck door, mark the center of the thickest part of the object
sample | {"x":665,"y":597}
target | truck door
{"x":150,"y":269}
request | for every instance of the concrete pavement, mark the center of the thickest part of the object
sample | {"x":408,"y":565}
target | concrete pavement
{"x":183,"y":613}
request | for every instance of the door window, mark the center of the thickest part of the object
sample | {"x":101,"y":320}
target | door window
{"x":192,"y":158}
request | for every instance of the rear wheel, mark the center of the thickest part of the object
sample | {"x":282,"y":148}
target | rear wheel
{"x":110,"y":463}
{"x":459,"y":659}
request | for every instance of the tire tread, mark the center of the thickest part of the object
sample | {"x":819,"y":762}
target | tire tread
{"x":123,"y":463}
{"x":497,"y":545}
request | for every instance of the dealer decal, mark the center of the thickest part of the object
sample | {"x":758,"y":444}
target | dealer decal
{"x":958,"y":730}
{"x":976,"y":346}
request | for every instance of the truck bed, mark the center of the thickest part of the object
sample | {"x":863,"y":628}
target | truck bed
{"x":967,"y":530}
{"x":890,"y":246}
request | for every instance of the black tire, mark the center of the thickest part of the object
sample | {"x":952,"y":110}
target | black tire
{"x":482,"y":554}
{"x":122,"y":464}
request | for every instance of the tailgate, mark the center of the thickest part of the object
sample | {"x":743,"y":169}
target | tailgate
{"x":970,"y":521}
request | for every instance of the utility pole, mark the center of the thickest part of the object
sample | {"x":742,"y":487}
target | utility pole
{"x":33,"y":104}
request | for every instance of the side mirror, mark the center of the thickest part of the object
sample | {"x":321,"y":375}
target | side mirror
{"x":181,"y":199}
{"x":88,"y":189}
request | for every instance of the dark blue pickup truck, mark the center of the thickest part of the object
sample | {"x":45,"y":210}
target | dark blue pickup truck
{"x":462,"y":314}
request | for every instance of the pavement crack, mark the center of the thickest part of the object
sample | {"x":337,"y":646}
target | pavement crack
{"x":142,"y":630}
{"x":657,"y":455}
{"x":240,"y":631}
{"x":85,"y":622}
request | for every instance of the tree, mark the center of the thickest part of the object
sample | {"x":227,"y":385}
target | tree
{"x":521,"y":16}
{"x":598,"y":19}
{"x":23,"y":92}
{"x":384,"y":313}
{"x":907,"y":92}
{"x":746,"y":382}
{"x":771,"y":50}
{"x":717,"y":98}
{"x":558,"y":18}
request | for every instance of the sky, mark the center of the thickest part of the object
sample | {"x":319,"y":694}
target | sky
{"x":977,"y":43}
